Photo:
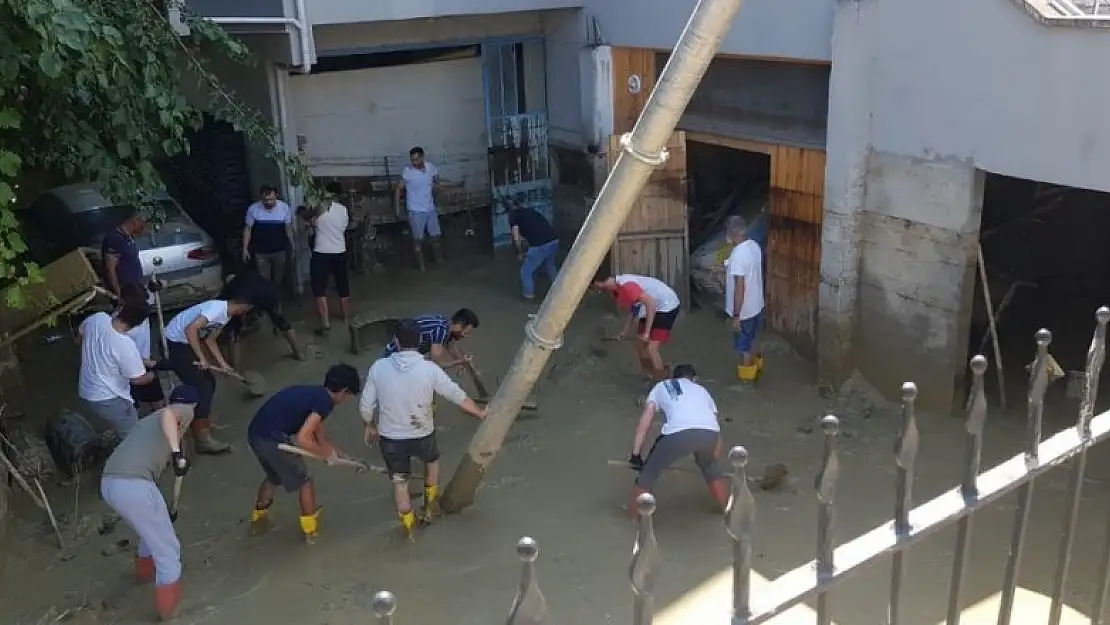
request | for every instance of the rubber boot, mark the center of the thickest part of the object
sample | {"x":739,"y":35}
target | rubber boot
{"x":310,"y":526}
{"x":720,"y":490}
{"x":144,"y":569}
{"x":260,"y":520}
{"x":167,"y":600}
{"x":294,"y":350}
{"x":431,"y":508}
{"x":759,"y":364}
{"x":633,"y":513}
{"x":408,"y":524}
{"x":747,"y":374}
{"x":205,"y":442}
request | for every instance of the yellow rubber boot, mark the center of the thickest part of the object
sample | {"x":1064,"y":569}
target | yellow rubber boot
{"x":408,"y":523}
{"x":260,"y":520}
{"x":431,"y":504}
{"x":309,"y":525}
{"x":747,"y":374}
{"x":759,"y":363}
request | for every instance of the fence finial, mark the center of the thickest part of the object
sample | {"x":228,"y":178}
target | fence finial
{"x":905,"y":455}
{"x":1038,"y":385}
{"x":739,"y":519}
{"x":529,"y":606}
{"x":643,"y":572}
{"x":1096,"y":355}
{"x":385,"y":604}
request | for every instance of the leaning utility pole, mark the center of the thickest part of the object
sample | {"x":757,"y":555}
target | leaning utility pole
{"x":644,"y":149}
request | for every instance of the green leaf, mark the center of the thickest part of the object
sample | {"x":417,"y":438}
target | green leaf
{"x":9,"y":118}
{"x":50,"y":63}
{"x":9,"y":164}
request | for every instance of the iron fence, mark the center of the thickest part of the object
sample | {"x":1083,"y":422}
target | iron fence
{"x":908,"y":525}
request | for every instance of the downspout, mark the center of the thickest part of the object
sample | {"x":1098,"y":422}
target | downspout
{"x":297,"y":23}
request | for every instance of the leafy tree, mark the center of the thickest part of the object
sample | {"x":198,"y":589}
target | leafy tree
{"x":92,"y":90}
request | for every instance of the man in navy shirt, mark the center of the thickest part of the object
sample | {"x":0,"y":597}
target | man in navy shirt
{"x":120,"y":254}
{"x":265,"y":297}
{"x":543,"y":244}
{"x":438,"y":336}
{"x":296,"y":415}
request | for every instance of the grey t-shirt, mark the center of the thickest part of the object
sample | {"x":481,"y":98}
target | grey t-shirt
{"x":145,"y":452}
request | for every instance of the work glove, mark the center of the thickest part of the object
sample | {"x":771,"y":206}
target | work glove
{"x":180,"y":463}
{"x":154,"y":286}
{"x":636,"y":461}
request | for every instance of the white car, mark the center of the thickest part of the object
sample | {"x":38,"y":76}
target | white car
{"x":173,"y":247}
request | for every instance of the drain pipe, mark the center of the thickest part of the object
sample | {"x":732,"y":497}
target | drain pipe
{"x":299,"y":23}
{"x":644,"y":149}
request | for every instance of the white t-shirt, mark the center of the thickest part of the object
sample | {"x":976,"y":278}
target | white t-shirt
{"x":329,"y":230}
{"x":140,"y":336}
{"x":109,"y":361}
{"x":418,"y":187}
{"x":279,"y":213}
{"x":745,"y":260}
{"x":215,"y":311}
{"x":692,"y":409}
{"x":665,"y":298}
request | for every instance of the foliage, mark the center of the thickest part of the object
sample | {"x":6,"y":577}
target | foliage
{"x":93,"y":90}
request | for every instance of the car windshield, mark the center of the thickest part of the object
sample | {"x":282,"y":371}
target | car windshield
{"x":92,"y":225}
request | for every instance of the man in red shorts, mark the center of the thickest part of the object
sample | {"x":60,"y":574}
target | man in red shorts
{"x":653,"y":306}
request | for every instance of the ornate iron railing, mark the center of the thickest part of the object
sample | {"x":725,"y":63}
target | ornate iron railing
{"x":908,"y":525}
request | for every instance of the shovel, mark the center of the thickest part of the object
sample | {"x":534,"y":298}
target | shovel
{"x":253,"y":381}
{"x":176,"y":498}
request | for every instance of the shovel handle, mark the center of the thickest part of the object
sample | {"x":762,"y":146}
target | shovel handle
{"x":347,"y":462}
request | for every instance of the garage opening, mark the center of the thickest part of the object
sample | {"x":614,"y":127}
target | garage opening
{"x":722,"y":181}
{"x":1046,"y":250}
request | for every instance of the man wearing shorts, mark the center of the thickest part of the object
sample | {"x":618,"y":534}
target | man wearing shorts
{"x":690,"y":427}
{"x":329,"y":258}
{"x":744,"y":297}
{"x":295,"y":415}
{"x":397,"y":407}
{"x":111,"y":365}
{"x":439,"y":337}
{"x":419,"y":180}
{"x":130,"y":486}
{"x":652,"y":305}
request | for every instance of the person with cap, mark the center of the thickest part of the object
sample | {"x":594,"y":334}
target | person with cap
{"x":129,"y":485}
{"x":690,"y":427}
{"x":295,"y":415}
{"x":650,"y":303}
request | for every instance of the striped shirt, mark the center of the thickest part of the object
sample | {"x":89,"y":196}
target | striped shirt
{"x":434,"y":330}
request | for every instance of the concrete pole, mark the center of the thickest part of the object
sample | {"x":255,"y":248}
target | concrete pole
{"x":643,"y":150}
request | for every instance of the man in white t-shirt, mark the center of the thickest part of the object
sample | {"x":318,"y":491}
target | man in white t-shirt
{"x":187,"y":336}
{"x":329,"y":258}
{"x":111,"y":364}
{"x":689,"y":427}
{"x":419,"y":180}
{"x":653,"y":305}
{"x":744,"y":297}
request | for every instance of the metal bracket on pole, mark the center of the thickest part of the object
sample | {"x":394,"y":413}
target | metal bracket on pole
{"x":651,"y":160}
{"x":547,"y":345}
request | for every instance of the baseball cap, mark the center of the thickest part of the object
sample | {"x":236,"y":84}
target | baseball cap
{"x":627,"y":295}
{"x":184,"y":395}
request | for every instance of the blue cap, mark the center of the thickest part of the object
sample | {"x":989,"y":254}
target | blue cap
{"x":184,"y":395}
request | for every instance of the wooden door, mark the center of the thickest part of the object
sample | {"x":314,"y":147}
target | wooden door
{"x":654,"y":240}
{"x":633,"y":80}
{"x":793,"y":271}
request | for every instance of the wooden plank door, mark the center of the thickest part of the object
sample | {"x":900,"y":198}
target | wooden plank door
{"x":654,"y":240}
{"x":793,"y":271}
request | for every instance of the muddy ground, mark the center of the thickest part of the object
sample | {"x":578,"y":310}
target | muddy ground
{"x":550,"y":482}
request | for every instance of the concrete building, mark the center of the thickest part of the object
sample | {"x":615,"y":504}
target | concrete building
{"x":871,"y":250}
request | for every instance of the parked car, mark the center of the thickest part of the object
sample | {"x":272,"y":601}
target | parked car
{"x":173,"y":246}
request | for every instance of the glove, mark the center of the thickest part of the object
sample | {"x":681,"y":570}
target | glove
{"x":636,"y":461}
{"x":180,"y":463}
{"x":154,"y":286}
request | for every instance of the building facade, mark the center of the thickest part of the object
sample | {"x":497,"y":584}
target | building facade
{"x":873,"y":125}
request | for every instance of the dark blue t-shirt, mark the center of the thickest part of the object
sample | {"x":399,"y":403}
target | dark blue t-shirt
{"x":534,"y":227}
{"x":285,"y":412}
{"x":129,"y":269}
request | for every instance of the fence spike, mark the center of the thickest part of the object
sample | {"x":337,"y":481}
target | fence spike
{"x":529,"y":607}
{"x":1096,"y":355}
{"x":969,"y":487}
{"x":825,"y":485}
{"x":1038,"y":384}
{"x":739,"y":519}
{"x":643,"y":572}
{"x":385,"y":604}
{"x":905,"y":455}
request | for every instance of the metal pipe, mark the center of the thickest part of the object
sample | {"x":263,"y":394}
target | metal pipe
{"x":299,"y":23}
{"x":644,"y":149}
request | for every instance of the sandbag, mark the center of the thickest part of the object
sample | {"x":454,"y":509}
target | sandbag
{"x":74,"y":443}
